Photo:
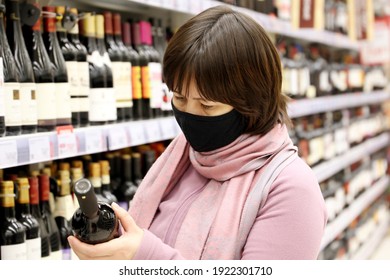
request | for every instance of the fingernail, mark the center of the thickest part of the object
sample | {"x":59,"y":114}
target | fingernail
{"x":114,"y":204}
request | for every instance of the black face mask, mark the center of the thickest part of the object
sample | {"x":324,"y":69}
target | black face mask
{"x":206,"y":133}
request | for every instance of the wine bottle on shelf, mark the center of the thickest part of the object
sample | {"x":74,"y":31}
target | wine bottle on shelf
{"x":64,"y":209}
{"x":98,"y":113}
{"x":96,"y":181}
{"x":148,"y":158}
{"x":43,"y":75}
{"x":47,"y":216}
{"x":69,"y":52}
{"x":11,"y":88}
{"x":116,"y":65}
{"x":115,"y":176}
{"x":144,"y":59}
{"x":127,"y":189}
{"x":109,"y":85}
{"x":36,"y":212}
{"x":64,"y":114}
{"x":82,"y":92}
{"x":54,"y":187}
{"x":24,"y":216}
{"x":12,"y":232}
{"x":136,"y":84}
{"x":137,"y":168}
{"x":127,"y":60}
{"x":106,"y":182}
{"x":155,"y":69}
{"x":94,"y":222}
{"x":17,"y":45}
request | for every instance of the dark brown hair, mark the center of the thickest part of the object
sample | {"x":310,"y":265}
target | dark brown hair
{"x":231,"y":59}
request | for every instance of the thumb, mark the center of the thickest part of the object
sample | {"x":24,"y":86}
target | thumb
{"x":124,"y":217}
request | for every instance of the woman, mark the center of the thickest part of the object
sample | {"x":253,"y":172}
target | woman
{"x":231,"y":186}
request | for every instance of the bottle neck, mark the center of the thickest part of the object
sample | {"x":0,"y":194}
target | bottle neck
{"x":23,"y":209}
{"x":7,"y":213}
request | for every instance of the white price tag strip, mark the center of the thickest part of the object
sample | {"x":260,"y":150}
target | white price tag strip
{"x":117,"y":138}
{"x":137,"y":133}
{"x":39,"y":149}
{"x":67,"y":142}
{"x":168,"y":128}
{"x":8,"y":154}
{"x":153,"y":131}
{"x":94,"y":141}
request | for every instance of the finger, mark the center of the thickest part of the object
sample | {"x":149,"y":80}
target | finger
{"x":124,"y":217}
{"x":86,"y":251}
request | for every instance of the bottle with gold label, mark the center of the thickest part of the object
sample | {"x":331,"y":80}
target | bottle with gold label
{"x":106,"y":182}
{"x":24,"y":216}
{"x":12,"y":232}
{"x":96,"y":181}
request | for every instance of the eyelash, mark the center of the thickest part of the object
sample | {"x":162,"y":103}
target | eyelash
{"x":207,"y":107}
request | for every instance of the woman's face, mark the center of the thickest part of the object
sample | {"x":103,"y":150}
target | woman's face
{"x":195,"y":104}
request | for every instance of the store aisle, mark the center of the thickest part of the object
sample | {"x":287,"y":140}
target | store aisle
{"x":383,"y":250}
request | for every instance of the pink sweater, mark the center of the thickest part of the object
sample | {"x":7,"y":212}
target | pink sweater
{"x":289,"y":226}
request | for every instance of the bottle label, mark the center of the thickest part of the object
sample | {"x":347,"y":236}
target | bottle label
{"x":155,"y":71}
{"x":145,"y":78}
{"x":14,"y":252}
{"x":46,"y":101}
{"x":136,"y":82}
{"x":294,"y":82}
{"x":355,"y":78}
{"x":28,"y":104}
{"x":33,"y":248}
{"x":105,"y":179}
{"x":122,"y":97}
{"x":83,"y":76}
{"x":73,"y":77}
{"x":324,"y":81}
{"x":102,"y":104}
{"x":63,"y":101}
{"x":127,"y":80}
{"x":304,"y":80}
{"x":2,"y":112}
{"x":64,"y":207}
{"x":13,"y":113}
{"x":56,"y":255}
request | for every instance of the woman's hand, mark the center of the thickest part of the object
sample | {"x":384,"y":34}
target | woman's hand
{"x":121,"y":248}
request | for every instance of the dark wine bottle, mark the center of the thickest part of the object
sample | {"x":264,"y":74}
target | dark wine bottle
{"x":110,"y":105}
{"x":96,"y":181}
{"x":11,"y":88}
{"x":144,"y":59}
{"x":36,"y":212}
{"x":106,"y":182}
{"x":17,"y":45}
{"x":136,"y":84}
{"x":69,"y":52}
{"x":137,"y":168}
{"x":60,"y":73}
{"x":155,"y":69}
{"x":94,"y":222}
{"x":47,"y":216}
{"x":43,"y":75}
{"x":24,"y":216}
{"x":82,"y":70}
{"x":127,"y":189}
{"x":115,"y":56}
{"x":127,"y":60}
{"x":98,"y":114}
{"x":12,"y":232}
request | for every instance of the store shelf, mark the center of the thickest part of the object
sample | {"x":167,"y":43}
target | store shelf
{"x":269,"y":23}
{"x":328,"y":168}
{"x":68,"y":142}
{"x":349,"y":214}
{"x":369,"y":247}
{"x":300,"y":108}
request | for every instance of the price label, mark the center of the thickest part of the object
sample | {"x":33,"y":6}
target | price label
{"x":8,"y":154}
{"x":153,"y":131}
{"x":94,"y":142}
{"x":117,"y":138}
{"x":67,"y":142}
{"x":169,"y":128}
{"x":39,"y":149}
{"x":137,"y":133}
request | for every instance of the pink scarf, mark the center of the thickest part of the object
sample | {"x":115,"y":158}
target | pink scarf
{"x":211,"y":227}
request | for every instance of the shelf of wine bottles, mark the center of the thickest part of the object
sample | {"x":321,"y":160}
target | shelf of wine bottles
{"x":41,"y":197}
{"x":68,"y":142}
{"x":270,"y":23}
{"x":361,"y":236}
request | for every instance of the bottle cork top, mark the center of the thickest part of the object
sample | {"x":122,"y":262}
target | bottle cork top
{"x":126,"y":156}
{"x":94,"y":169}
{"x":64,"y":166}
{"x":7,"y":195}
{"x":105,"y":167}
{"x":99,"y":23}
{"x":77,"y":164}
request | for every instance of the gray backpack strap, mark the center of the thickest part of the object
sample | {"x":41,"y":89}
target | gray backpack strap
{"x":259,"y":194}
